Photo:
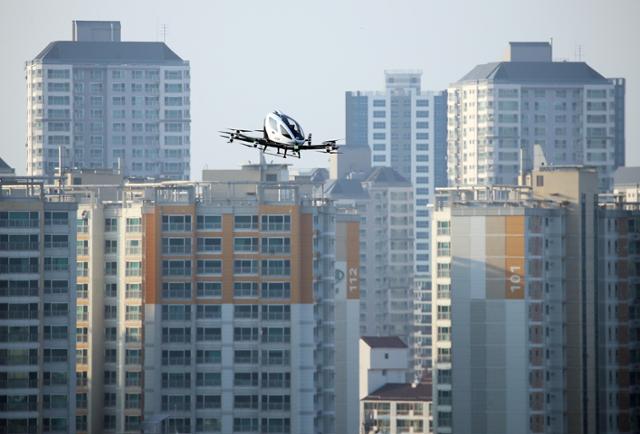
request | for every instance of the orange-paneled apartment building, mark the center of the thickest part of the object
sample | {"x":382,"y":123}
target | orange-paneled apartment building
{"x":222,"y":306}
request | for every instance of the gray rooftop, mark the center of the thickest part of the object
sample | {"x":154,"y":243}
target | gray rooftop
{"x":387,"y":176}
{"x":536,"y":72}
{"x":384,"y":341}
{"x":401,"y":392}
{"x":69,"y":52}
{"x":346,"y":189}
{"x":626,"y":176}
{"x":5,"y":168}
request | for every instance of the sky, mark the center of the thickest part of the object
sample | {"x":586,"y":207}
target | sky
{"x":251,"y":57}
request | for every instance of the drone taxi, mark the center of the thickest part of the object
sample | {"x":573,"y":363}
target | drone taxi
{"x":280,"y":132}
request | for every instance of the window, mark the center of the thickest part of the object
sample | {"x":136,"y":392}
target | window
{"x":245,"y":289}
{"x":276,"y":267}
{"x":110,"y":247}
{"x":111,"y":290}
{"x":244,"y":379}
{"x":209,"y":289}
{"x":134,"y":313}
{"x":133,"y":335}
{"x":276,"y":312}
{"x":56,"y":264}
{"x":208,"y":311}
{"x":277,"y":223}
{"x":443,"y":228}
{"x":245,"y":244}
{"x":176,"y":223}
{"x":245,"y":222}
{"x":209,"y":222}
{"x":176,"y":312}
{"x":134,"y":225}
{"x":276,"y":245}
{"x":111,"y":268}
{"x":245,"y":402}
{"x":110,"y":311}
{"x":276,"y":334}
{"x":176,"y":335}
{"x":209,"y":266}
{"x":209,"y":245}
{"x":82,"y":290}
{"x":208,"y":356}
{"x":176,"y":268}
{"x":208,"y":334}
{"x":245,"y":356}
{"x":276,"y":290}
{"x":176,"y":358}
{"x":245,"y":334}
{"x":444,"y":312}
{"x":245,"y":266}
{"x":176,"y":290}
{"x":176,"y":246}
{"x":245,"y":311}
{"x":132,"y":357}
{"x":444,"y":270}
{"x":241,"y":425}
{"x":133,"y":268}
{"x":133,"y":290}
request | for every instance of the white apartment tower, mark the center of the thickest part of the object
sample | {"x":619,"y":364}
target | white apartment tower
{"x":99,"y":102}
{"x":37,"y":309}
{"x":405,"y":127}
{"x":500,"y":113}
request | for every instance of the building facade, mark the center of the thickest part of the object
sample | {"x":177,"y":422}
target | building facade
{"x":406,"y":129}
{"x":500,"y":112}
{"x":213,"y":307}
{"x":37,"y":309}
{"x":383,"y":201}
{"x":388,"y":404}
{"x":99,"y":102}
{"x":530,"y":281}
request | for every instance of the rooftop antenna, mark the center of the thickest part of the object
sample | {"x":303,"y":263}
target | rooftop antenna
{"x":579,"y":53}
{"x":163,"y":28}
{"x":551,"y":41}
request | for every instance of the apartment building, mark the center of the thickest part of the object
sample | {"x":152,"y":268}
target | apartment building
{"x":37,"y":309}
{"x":213,"y":306}
{"x":531,"y":308}
{"x":500,"y":111}
{"x":99,"y":102}
{"x":383,"y":201}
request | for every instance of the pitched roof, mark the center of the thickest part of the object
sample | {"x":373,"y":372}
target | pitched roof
{"x":346,"y":189}
{"x":5,"y":168}
{"x":384,"y":341}
{"x":535,"y":72}
{"x":626,"y":176}
{"x":108,"y":52}
{"x":387,"y":176}
{"x":401,"y":392}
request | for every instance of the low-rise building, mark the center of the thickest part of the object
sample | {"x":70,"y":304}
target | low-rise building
{"x":389,"y":404}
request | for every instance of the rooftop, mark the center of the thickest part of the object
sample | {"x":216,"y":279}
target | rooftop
{"x":346,"y":189}
{"x":626,"y":176}
{"x":401,"y":392}
{"x":535,"y":72}
{"x":387,"y":176}
{"x":5,"y":168}
{"x":108,"y":52}
{"x":384,"y":341}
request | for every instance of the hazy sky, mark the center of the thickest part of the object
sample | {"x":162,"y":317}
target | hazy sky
{"x":250,"y":57}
